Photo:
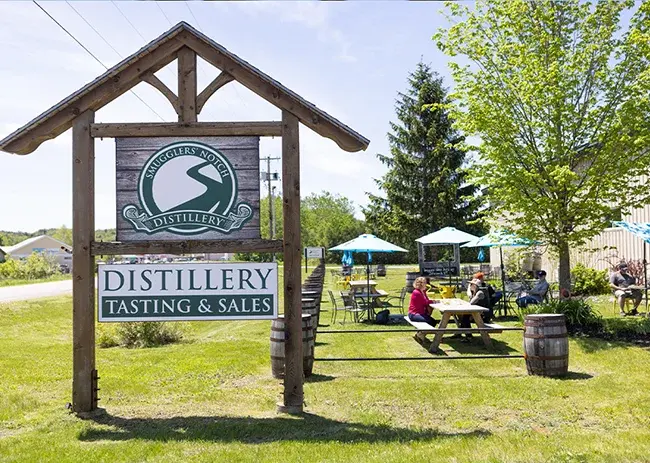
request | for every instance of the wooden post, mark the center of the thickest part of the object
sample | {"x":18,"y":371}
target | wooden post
{"x":186,"y":85}
{"x":293,"y":377}
{"x":83,"y":264}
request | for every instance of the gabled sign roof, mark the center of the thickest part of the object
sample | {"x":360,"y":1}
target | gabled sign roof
{"x":153,"y":57}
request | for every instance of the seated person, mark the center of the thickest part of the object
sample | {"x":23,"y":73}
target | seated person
{"x":478,"y":294}
{"x":419,"y":309}
{"x":535,"y":295}
{"x":620,"y":281}
{"x":494,"y":296}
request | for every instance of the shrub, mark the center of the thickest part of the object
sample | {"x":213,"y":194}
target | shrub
{"x":139,"y":334}
{"x":589,"y":281}
{"x":107,"y":335}
{"x":580,"y":316}
{"x":626,"y":329}
{"x":36,"y":266}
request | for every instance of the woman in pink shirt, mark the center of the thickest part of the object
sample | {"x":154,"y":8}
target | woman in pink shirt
{"x":419,"y":310}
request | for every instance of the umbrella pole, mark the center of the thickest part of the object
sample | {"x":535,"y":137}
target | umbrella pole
{"x":368,"y":284}
{"x":645,"y":278}
{"x":503,"y":282}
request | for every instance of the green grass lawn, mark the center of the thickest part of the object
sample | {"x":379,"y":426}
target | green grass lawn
{"x":15,"y":282}
{"x":212,"y":398}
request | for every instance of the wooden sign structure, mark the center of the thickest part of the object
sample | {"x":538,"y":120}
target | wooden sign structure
{"x":182,"y":43}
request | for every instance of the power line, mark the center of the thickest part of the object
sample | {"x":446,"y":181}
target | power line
{"x":96,"y":31}
{"x":164,"y":14}
{"x":197,"y":64}
{"x":136,"y":29}
{"x":192,"y":13}
{"x":127,"y":20}
{"x":91,"y":53}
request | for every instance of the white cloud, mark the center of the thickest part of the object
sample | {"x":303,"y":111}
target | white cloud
{"x":314,"y":15}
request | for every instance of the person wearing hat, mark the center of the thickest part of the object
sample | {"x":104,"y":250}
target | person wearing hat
{"x":478,"y":293}
{"x":493,"y":296}
{"x":535,"y":295}
{"x":620,"y":281}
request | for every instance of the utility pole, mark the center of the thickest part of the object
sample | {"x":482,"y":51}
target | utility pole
{"x":269,"y":177}
{"x":272,"y":213}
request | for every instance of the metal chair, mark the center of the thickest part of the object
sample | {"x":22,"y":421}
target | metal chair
{"x":350,"y":305}
{"x":335,"y":308}
{"x":386,"y":303}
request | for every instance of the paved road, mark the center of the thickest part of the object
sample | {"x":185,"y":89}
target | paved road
{"x":35,"y":291}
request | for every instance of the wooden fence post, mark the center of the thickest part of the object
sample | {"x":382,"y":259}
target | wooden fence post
{"x":293,"y":377}
{"x":83,"y":265}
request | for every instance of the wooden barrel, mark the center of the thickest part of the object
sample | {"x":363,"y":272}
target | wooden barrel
{"x":546,"y":346}
{"x":410,"y":278}
{"x":278,"y":338}
{"x":309,"y":306}
{"x":313,"y":295}
{"x":313,"y":284}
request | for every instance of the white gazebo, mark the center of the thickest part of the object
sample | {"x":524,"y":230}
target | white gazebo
{"x":448,"y":236}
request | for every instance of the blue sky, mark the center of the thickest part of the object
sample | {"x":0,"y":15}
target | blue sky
{"x":350,"y":59}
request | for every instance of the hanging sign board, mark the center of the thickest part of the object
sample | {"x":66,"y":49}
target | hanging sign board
{"x":204,"y":188}
{"x":313,"y":253}
{"x":188,"y":291}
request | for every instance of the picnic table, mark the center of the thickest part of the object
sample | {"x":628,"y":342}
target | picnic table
{"x":362,"y":285}
{"x":374,"y":295}
{"x":456,"y":308}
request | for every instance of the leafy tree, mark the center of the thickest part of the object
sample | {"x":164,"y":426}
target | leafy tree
{"x":558,"y":95}
{"x":328,"y":220}
{"x":425,"y":187}
{"x":63,"y":234}
{"x":325,"y":220}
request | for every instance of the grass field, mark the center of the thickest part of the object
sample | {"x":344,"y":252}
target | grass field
{"x":15,"y":282}
{"x":212,"y":398}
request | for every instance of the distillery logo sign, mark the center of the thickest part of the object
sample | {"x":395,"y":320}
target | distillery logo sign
{"x":191,"y":291}
{"x":187,"y":188}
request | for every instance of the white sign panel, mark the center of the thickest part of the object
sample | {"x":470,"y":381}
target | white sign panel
{"x":188,"y":291}
{"x":314,"y":253}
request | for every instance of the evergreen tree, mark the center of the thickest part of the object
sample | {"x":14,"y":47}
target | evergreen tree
{"x":425,"y":187}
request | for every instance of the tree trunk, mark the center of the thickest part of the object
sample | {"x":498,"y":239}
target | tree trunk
{"x":564,"y":274}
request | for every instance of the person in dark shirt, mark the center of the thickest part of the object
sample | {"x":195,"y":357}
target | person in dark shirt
{"x":620,"y":283}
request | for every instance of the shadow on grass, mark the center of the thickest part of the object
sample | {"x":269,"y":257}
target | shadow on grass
{"x":305,"y":428}
{"x":316,"y":378}
{"x":574,"y":376}
{"x":475,"y":346}
{"x":591,"y":345}
{"x":318,"y":343}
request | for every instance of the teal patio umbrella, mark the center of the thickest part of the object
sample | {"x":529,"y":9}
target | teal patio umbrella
{"x":499,"y":239}
{"x":367,"y":243}
{"x":445,"y":236}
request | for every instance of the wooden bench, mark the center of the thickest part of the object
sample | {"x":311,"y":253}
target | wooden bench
{"x":424,"y":329}
{"x":428,"y":329}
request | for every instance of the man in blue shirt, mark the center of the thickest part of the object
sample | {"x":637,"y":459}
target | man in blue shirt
{"x":535,"y":295}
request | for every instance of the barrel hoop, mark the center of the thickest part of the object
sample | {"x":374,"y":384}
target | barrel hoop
{"x":544,"y":336}
{"x":273,"y":357}
{"x":282,"y":340}
{"x":546,"y":357}
{"x":282,"y":330}
{"x":544,"y":323}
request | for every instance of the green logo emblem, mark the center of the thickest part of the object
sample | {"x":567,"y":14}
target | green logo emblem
{"x":187,"y":188}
